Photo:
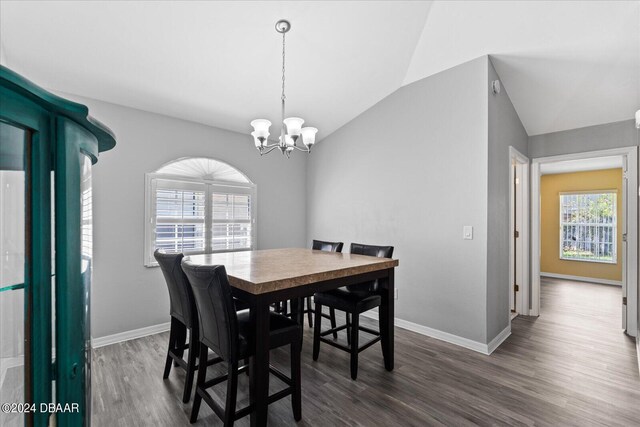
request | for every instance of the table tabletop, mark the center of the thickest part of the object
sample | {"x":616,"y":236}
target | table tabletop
{"x":269,"y":270}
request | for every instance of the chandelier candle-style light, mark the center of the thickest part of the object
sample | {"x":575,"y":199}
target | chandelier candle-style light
{"x":291,"y":129}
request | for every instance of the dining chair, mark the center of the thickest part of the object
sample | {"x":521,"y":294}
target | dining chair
{"x":353,"y":300}
{"x":184,"y":318}
{"x":230,"y":334}
{"x":318,"y":245}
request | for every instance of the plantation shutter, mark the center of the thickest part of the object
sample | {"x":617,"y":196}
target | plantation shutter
{"x":179,"y":216}
{"x":192,"y":217}
{"x":231,"y":219}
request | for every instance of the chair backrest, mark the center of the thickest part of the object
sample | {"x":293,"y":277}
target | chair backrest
{"x":320,"y":245}
{"x":216,"y":310}
{"x":182,"y":304}
{"x":370,"y":250}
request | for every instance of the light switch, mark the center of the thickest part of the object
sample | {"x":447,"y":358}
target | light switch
{"x":467,"y":232}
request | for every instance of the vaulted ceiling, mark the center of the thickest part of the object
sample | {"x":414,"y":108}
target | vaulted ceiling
{"x":564,"y":64}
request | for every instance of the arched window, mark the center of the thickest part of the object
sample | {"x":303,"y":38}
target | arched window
{"x":198,"y":205}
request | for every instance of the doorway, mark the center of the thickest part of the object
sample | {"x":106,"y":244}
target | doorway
{"x":625,"y":237}
{"x":519,"y":234}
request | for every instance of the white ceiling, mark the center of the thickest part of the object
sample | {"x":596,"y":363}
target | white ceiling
{"x":564,"y":64}
{"x":218,"y":63}
{"x":582,"y":165}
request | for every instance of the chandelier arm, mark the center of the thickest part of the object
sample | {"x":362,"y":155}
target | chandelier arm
{"x":269,"y":149}
{"x":306,"y":150}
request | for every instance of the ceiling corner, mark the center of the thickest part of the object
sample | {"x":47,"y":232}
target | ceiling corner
{"x":416,"y":44}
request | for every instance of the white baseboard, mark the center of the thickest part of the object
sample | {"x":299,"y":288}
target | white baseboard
{"x":638,"y":351}
{"x":129,"y":335}
{"x":404,"y":324}
{"x":447,"y":337}
{"x":582,"y":279}
{"x":499,"y":339}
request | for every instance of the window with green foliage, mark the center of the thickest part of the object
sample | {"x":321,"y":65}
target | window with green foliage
{"x":588,"y":226}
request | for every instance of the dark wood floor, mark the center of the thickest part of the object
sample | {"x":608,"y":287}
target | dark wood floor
{"x":571,"y":366}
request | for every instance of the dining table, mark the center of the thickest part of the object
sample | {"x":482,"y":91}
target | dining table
{"x":264,"y":277}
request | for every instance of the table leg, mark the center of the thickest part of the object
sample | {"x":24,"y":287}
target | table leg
{"x":386,"y":319}
{"x":259,"y":368}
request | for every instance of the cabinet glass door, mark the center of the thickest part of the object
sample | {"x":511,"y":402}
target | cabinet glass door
{"x":86,"y":268}
{"x":14,"y":221}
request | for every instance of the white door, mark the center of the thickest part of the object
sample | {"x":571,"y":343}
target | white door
{"x":519,"y":250}
{"x":623,"y":259}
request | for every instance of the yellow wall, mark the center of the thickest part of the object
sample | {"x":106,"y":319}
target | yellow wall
{"x":550,"y":188}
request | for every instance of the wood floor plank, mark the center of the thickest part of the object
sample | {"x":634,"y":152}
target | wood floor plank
{"x":571,"y":366}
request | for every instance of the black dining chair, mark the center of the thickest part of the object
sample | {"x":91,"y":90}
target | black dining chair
{"x":304,"y":304}
{"x":353,"y":300}
{"x":184,"y":317}
{"x":320,"y":245}
{"x":230,"y":334}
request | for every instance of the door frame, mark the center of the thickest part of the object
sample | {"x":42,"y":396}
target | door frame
{"x":522,"y":302}
{"x":629,"y":224}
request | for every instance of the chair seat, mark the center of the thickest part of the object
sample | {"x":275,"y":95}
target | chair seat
{"x":283,"y":331}
{"x":349,"y":301}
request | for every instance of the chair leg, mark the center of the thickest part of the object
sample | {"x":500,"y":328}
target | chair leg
{"x":332,"y":315}
{"x":172,"y":339}
{"x":354,"y":345}
{"x":191,"y":365}
{"x":202,"y":373}
{"x":316,"y":331}
{"x":232,"y":391}
{"x":309,"y":312}
{"x":296,"y":395}
{"x":181,"y":340}
{"x":299,"y":311}
{"x":348,"y":316}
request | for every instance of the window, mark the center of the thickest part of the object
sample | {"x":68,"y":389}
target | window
{"x":196,"y":206}
{"x":588,"y":226}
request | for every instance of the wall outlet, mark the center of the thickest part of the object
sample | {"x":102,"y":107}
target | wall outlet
{"x":395,"y":293}
{"x":467,"y":232}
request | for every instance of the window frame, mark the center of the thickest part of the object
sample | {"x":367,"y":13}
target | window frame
{"x":614,"y":226}
{"x":188,"y":183}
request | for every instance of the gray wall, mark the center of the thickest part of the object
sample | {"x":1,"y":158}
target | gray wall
{"x":411,"y":172}
{"x":505,"y":129}
{"x":125,"y":294}
{"x":590,"y":138}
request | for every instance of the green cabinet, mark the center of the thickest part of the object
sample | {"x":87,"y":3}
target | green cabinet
{"x":48,"y":146}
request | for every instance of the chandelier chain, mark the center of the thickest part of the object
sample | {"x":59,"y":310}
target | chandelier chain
{"x":283,"y":58}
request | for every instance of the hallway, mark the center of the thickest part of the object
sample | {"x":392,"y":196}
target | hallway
{"x":578,"y":347}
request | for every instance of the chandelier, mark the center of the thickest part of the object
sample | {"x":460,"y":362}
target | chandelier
{"x":291,"y":130}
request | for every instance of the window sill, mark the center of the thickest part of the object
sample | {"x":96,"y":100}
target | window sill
{"x":614,"y":262}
